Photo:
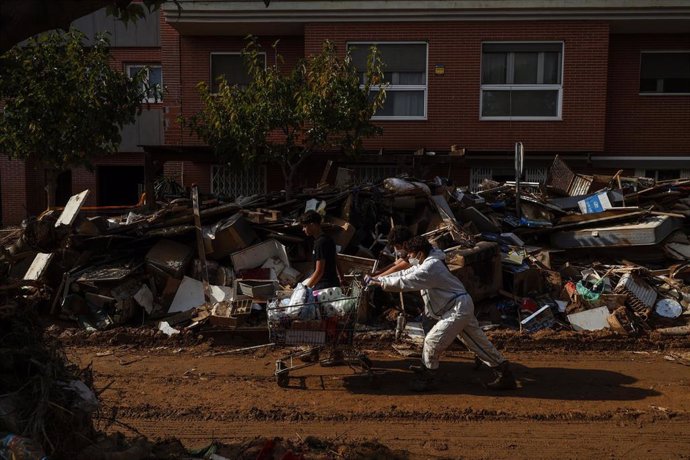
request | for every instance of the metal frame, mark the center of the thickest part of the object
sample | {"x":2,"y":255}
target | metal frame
{"x":246,"y":188}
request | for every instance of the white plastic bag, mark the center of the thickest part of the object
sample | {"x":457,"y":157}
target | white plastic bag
{"x":402,"y":186}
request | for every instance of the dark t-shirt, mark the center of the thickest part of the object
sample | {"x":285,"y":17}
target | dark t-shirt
{"x":324,"y":249}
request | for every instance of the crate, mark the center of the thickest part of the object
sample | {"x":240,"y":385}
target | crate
{"x":257,"y":289}
{"x":231,"y":314}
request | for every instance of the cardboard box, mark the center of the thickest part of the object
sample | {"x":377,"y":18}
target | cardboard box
{"x":479,"y":269}
{"x":231,"y":235}
{"x":522,"y":281}
{"x":255,"y":256}
{"x":340,"y":230}
{"x":595,"y":203}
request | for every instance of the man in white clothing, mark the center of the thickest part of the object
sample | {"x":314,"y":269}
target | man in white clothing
{"x":446,"y":300}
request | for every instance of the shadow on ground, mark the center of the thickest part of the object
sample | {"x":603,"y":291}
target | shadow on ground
{"x":392,"y":378}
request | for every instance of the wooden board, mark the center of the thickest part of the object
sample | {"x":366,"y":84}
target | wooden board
{"x":71,"y":210}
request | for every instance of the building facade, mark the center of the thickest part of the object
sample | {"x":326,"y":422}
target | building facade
{"x":604,"y":84}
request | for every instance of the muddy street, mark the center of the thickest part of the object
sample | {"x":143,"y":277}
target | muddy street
{"x":586,"y":404}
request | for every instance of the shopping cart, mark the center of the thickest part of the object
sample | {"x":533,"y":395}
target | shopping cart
{"x":328,"y":329}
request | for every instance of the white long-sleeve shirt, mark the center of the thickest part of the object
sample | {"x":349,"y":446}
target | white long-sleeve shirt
{"x":440,"y":289}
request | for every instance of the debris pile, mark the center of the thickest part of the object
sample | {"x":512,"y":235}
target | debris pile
{"x":577,"y":252}
{"x":586,"y":252}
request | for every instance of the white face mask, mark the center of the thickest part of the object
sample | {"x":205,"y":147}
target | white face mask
{"x":413,"y":261}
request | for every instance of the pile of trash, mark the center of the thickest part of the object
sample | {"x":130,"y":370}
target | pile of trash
{"x":586,"y":252}
{"x":576,"y":252}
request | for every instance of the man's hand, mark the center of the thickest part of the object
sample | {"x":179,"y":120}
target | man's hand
{"x":370,"y":280}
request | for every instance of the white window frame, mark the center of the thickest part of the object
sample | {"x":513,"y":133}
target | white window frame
{"x":147,"y":67}
{"x":225,"y":53}
{"x":639,"y":79}
{"x":424,"y":87}
{"x":514,"y":87}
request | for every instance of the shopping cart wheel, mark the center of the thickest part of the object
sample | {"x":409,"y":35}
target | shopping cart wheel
{"x":282,"y":374}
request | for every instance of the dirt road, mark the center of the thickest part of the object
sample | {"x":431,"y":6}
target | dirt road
{"x":569,"y":405}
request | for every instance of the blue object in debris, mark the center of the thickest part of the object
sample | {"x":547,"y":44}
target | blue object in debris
{"x":533,"y":223}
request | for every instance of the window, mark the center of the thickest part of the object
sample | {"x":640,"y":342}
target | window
{"x":152,"y":85}
{"x":521,"y":81}
{"x":232,"y":67}
{"x":478,"y":174}
{"x":235,"y":182}
{"x":663,"y":174}
{"x":665,"y":72}
{"x":405,"y":70}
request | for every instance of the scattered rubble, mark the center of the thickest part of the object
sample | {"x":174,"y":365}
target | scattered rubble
{"x":559,"y":254}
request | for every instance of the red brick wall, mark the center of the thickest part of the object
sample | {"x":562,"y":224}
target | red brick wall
{"x":453,"y":98}
{"x":644,"y":125}
{"x":186,"y":62}
{"x":170,"y":58}
{"x":13,"y":190}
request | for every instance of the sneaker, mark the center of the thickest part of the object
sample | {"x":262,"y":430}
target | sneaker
{"x":424,"y":379}
{"x":505,"y":380}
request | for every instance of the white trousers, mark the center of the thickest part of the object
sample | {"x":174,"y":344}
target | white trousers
{"x":459,"y":322}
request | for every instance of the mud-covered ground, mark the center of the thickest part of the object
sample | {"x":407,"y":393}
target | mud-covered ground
{"x":577,"y":398}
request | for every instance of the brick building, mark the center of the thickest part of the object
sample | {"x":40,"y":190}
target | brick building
{"x":605,"y":84}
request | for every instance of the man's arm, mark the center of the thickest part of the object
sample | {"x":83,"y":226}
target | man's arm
{"x":398,"y":265}
{"x":317,"y":275}
{"x":415,"y":278}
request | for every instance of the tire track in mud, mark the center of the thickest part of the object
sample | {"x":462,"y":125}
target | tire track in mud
{"x":254,"y":414}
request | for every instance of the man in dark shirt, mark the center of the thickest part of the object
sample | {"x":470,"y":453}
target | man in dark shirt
{"x":326,"y":273}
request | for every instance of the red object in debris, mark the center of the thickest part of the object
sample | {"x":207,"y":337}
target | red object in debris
{"x":570,"y":288}
{"x":529,"y":305}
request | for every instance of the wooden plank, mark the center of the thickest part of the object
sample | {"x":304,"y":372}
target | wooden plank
{"x":200,"y":243}
{"x":38,"y":266}
{"x":72,"y":208}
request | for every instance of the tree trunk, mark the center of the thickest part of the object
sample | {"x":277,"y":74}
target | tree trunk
{"x":289,"y":176}
{"x":51,"y":186}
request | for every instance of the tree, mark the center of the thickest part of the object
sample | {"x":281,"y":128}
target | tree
{"x":64,"y":104}
{"x":21,"y":19}
{"x":323,"y":104}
